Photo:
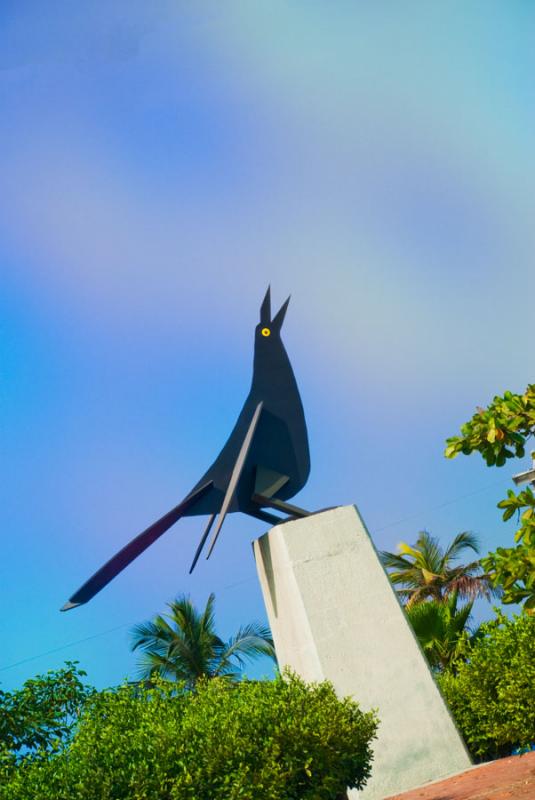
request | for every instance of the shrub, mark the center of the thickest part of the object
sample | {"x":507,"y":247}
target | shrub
{"x":270,"y":740}
{"x":492,"y":694}
{"x":41,"y":715}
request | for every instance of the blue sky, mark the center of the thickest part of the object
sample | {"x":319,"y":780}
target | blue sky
{"x":160,"y":165}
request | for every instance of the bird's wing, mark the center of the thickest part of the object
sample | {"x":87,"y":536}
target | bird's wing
{"x":236,"y":474}
{"x":132,"y":550}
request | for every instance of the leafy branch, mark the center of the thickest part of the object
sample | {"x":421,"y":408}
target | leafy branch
{"x":498,"y":433}
{"x":514,"y":567}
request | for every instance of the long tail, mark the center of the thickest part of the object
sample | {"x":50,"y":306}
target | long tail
{"x":132,"y":550}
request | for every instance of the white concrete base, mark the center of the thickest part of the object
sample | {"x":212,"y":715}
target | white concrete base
{"x":334,"y":615}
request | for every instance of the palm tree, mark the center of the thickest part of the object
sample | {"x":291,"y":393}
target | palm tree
{"x":183,"y":645}
{"x":426,"y":571}
{"x":442,"y":629}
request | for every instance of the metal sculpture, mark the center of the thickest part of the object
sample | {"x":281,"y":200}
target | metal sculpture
{"x":264,"y":462}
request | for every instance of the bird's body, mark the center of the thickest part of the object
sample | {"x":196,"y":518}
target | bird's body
{"x":265,"y":460}
{"x":280,"y":442}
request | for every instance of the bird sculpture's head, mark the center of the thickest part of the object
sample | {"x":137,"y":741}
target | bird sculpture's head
{"x":270,"y":360}
{"x":268,"y":330}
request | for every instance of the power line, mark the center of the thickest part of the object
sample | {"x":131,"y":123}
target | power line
{"x":247,"y":580}
{"x":64,"y":646}
{"x":440,"y":505}
{"x":96,"y":635}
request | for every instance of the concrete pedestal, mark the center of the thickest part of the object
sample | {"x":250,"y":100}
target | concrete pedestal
{"x":334,"y":615}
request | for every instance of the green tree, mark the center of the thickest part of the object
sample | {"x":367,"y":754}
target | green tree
{"x":275,"y":740}
{"x":500,"y":432}
{"x":425,"y":570}
{"x":184,"y":646}
{"x":39,"y":717}
{"x":442,"y":629}
{"x":492,"y":691}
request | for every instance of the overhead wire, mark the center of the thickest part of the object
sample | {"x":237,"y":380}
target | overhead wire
{"x":94,"y":635}
{"x":440,"y":505}
{"x":247,"y":580}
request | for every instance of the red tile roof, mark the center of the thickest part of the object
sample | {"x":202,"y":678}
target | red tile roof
{"x":510,"y":778}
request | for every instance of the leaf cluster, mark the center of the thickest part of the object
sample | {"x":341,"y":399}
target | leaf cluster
{"x":498,"y":432}
{"x":492,"y":691}
{"x":39,"y":717}
{"x":278,"y":740}
{"x":514,"y":567}
{"x":501,"y":432}
{"x":442,"y":630}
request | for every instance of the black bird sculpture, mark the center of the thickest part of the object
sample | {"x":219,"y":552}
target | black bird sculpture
{"x":264,"y":462}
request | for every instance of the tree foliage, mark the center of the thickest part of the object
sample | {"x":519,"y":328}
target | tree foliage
{"x":514,"y":567}
{"x":492,"y":692}
{"x":183,"y":645}
{"x":39,"y":717}
{"x":278,"y":740}
{"x":425,"y":570}
{"x":442,"y":630}
{"x":500,"y":432}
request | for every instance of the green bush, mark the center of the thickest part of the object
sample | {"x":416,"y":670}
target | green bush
{"x":41,"y":715}
{"x":492,"y":694}
{"x":270,"y":740}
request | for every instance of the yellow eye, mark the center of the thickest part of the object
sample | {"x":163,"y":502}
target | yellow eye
{"x":266,"y":332}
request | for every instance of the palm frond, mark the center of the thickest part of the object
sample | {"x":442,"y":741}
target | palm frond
{"x":252,"y":639}
{"x":249,"y":641}
{"x":150,"y":633}
{"x":441,"y":628}
{"x":425,"y":571}
{"x":469,"y":587}
{"x":207,"y":620}
{"x":407,"y":550}
{"x":463,"y":541}
{"x":410,"y":579}
{"x":428,"y":552}
{"x":182,"y":644}
{"x":417,"y":596}
{"x":394,"y":561}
